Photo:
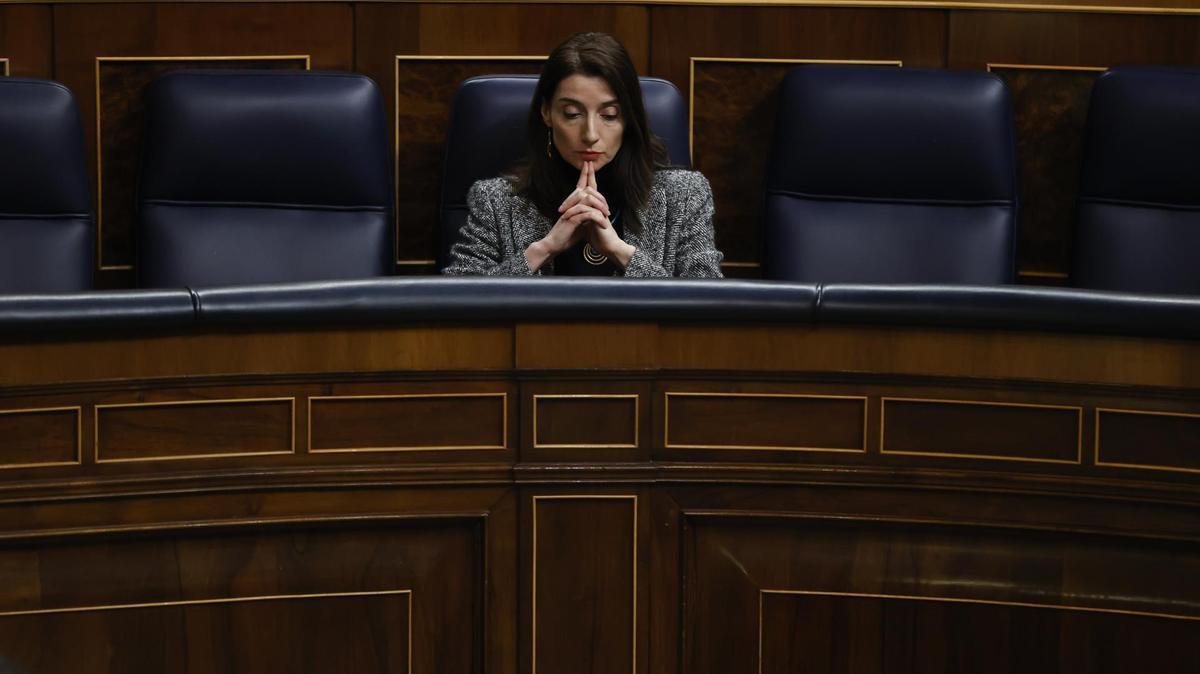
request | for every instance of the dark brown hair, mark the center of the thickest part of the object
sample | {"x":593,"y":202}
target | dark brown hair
{"x":542,"y":179}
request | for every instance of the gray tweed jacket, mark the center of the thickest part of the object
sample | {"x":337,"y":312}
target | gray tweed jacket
{"x":676,"y":237}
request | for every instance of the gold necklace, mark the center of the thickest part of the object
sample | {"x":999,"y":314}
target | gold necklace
{"x":592,"y":256}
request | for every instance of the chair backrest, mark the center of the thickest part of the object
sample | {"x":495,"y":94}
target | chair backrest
{"x":1139,"y":193}
{"x":47,"y":238}
{"x":891,"y":175}
{"x":487,"y":136}
{"x":262,"y":177}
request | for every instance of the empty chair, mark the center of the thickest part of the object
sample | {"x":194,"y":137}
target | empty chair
{"x":263,"y":176}
{"x":487,"y":135}
{"x":1139,"y":193}
{"x":46,"y":231}
{"x":891,"y":175}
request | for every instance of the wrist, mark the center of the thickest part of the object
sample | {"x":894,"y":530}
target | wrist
{"x":623,"y":255}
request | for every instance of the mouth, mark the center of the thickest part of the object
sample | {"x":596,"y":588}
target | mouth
{"x":590,"y":155}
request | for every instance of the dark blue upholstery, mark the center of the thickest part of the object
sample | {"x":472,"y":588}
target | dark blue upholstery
{"x":87,"y":314}
{"x":487,"y":135}
{"x":1139,"y":193}
{"x":264,"y":176}
{"x":891,"y":175}
{"x":46,"y":230}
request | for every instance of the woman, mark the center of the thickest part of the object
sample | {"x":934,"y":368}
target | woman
{"x":595,"y":196}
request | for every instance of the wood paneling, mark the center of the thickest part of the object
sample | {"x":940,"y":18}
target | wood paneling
{"x":194,"y":429}
{"x":40,"y":436}
{"x":409,"y":422}
{"x":982,"y":430}
{"x":585,"y":548}
{"x":586,"y":345}
{"x":598,"y":420}
{"x":25,"y":40}
{"x":763,"y":421}
{"x":1148,"y":440}
{"x":83,"y":32}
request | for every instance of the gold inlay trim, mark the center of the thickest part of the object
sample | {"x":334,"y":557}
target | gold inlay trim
{"x":721,"y":59}
{"x":1044,"y":66}
{"x":187,"y":403}
{"x":4,"y":67}
{"x":1145,"y":466}
{"x":741,"y":265}
{"x":396,"y":125}
{"x":99,"y":144}
{"x":1044,"y":274}
{"x":667,"y":444}
{"x":426,"y":448}
{"x":969,"y":455}
{"x":78,"y":410}
{"x":637,"y":413}
{"x":533,"y":574}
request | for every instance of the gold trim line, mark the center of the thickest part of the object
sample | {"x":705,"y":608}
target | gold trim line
{"x":503,"y":395}
{"x":637,"y":414}
{"x":78,"y":410}
{"x":773,"y":448}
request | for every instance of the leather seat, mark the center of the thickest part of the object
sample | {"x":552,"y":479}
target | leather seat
{"x":487,"y":135}
{"x":47,"y":237}
{"x":264,"y":176}
{"x":1139,"y":193}
{"x":891,"y":175}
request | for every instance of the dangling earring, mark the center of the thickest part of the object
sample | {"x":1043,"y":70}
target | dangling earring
{"x":549,"y":143}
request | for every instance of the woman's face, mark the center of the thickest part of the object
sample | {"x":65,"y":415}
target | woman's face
{"x":585,"y":118}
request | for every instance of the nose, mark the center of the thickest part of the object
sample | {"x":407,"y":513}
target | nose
{"x":590,"y":133}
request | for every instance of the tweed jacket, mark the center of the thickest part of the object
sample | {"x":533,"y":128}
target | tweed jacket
{"x":676,"y":238}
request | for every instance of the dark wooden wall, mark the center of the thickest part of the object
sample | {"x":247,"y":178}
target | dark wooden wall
{"x":726,"y":59}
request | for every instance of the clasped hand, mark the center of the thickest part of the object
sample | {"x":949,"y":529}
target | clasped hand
{"x":585,"y":213}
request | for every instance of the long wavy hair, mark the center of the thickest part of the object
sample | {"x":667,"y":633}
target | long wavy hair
{"x":546,"y":178}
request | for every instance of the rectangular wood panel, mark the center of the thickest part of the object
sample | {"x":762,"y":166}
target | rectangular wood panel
{"x":981,"y":430}
{"x":441,"y":421}
{"x":765,"y":421}
{"x":585,"y":420}
{"x":1150,"y":440}
{"x":40,"y":437}
{"x":194,"y":429}
{"x":584,"y":585}
{"x":25,"y":40}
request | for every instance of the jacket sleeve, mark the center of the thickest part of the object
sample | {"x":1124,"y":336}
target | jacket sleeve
{"x":696,"y":254}
{"x":479,"y":250}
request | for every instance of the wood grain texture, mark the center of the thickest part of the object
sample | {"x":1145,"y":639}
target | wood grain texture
{"x":195,"y":429}
{"x":740,"y":422}
{"x":409,"y":422}
{"x":1148,"y":440}
{"x":40,"y":436}
{"x":586,"y":345}
{"x":25,"y":40}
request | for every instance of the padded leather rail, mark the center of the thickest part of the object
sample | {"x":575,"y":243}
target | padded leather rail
{"x":87,"y":313}
{"x":1012,"y":308}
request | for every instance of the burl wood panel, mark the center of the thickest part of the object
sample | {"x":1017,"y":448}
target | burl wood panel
{"x":446,"y":421}
{"x":484,"y":37}
{"x":25,"y":40}
{"x":1049,"y":112}
{"x":1142,"y":586}
{"x":764,"y":421}
{"x":196,"y":429}
{"x":1162,"y":441}
{"x":585,"y":420}
{"x":34,"y":437}
{"x":85,"y":31}
{"x":367,"y":634}
{"x":982,"y":430}
{"x":121,"y":112}
{"x":429,"y":571}
{"x":584,"y":584}
{"x":835,"y":634}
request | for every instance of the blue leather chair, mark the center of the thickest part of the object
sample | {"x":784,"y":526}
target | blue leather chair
{"x":487,"y":135}
{"x":264,"y":176}
{"x":47,"y":234}
{"x":1139,"y":192}
{"x":891,"y":175}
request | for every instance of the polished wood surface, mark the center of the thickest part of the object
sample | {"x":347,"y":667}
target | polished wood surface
{"x":511,"y":498}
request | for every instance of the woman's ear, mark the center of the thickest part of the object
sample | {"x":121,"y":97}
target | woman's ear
{"x":546,"y":114}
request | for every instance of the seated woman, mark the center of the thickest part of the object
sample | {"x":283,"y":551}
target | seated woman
{"x":595,"y":196}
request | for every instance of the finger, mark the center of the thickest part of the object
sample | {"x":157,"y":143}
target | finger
{"x":571,"y":199}
{"x":583,"y":181}
{"x":599,"y":198}
{"x":592,"y":176}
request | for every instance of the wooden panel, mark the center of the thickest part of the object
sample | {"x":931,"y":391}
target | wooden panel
{"x":194,"y":429}
{"x":764,"y":421}
{"x":982,"y":430}
{"x":419,"y":90}
{"x":25,"y":41}
{"x":408,"y":422}
{"x":83,"y":32}
{"x":331,"y":632}
{"x":1150,"y":440}
{"x":1050,"y":107}
{"x":40,"y":437}
{"x":1002,"y":578}
{"x":586,"y":345}
{"x":584,"y":584}
{"x":905,"y":635}
{"x":120,"y":82}
{"x":585,"y":420}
